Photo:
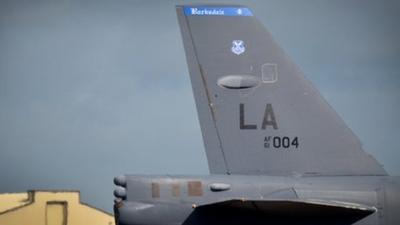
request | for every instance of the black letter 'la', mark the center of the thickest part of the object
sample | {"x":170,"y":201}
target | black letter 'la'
{"x":242,"y":125}
{"x":269,"y":118}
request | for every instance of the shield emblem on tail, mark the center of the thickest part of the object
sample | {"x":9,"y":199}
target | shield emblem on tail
{"x":238,"y":47}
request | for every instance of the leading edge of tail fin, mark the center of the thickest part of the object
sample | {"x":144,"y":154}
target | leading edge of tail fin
{"x":257,"y":111}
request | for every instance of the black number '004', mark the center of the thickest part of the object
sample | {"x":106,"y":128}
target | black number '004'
{"x":285,"y":142}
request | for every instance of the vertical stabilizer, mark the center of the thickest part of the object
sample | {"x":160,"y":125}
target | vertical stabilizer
{"x":258,"y":113}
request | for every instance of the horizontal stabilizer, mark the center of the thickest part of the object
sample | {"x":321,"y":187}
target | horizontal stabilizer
{"x":279,"y":212}
{"x":303,"y":208}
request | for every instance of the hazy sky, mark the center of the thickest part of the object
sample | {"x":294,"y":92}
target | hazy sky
{"x":93,"y":89}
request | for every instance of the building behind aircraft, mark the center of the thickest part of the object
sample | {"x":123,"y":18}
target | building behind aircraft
{"x":49,"y":208}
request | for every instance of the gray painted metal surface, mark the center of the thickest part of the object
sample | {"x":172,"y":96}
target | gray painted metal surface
{"x":281,"y":200}
{"x":277,"y":152}
{"x":305,"y":135}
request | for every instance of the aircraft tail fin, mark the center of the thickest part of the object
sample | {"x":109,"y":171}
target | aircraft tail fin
{"x":258,"y":113}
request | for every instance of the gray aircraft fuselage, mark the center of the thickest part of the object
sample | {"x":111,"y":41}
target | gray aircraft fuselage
{"x":168,"y":200}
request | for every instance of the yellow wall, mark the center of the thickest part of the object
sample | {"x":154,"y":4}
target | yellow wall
{"x":12,"y":200}
{"x":49,"y":208}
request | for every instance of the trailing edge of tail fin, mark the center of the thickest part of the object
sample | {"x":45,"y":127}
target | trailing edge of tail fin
{"x":258,"y":113}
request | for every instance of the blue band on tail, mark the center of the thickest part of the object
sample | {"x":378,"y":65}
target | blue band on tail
{"x":217,"y":11}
